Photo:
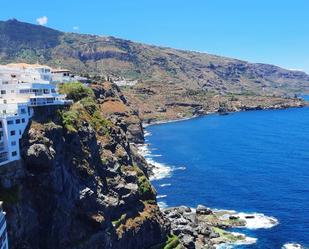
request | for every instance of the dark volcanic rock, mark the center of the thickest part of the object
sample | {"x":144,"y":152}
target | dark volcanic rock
{"x":83,"y":188}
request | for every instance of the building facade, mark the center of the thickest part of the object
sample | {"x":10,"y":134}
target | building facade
{"x":14,"y":119}
{"x":22,"y":88}
{"x":3,"y":230}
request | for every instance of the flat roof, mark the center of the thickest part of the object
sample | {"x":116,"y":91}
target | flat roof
{"x":26,"y":65}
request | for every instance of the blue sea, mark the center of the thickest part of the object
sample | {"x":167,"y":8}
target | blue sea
{"x":253,"y":162}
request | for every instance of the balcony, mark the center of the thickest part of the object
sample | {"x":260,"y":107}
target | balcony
{"x":2,"y":147}
{"x":4,"y":156}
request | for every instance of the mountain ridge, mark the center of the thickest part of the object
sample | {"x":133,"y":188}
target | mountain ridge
{"x":120,"y":58}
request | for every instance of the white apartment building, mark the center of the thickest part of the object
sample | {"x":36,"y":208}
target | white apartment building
{"x":22,"y":87}
{"x":13,"y":122}
{"x":22,"y":73}
{"x":3,"y":230}
{"x":37,"y":94}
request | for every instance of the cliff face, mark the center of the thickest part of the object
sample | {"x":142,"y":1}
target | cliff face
{"x":83,"y":185}
{"x":114,"y":105}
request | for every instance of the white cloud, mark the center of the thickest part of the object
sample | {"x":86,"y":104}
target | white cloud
{"x":297,"y":69}
{"x":75,"y":28}
{"x":42,"y":20}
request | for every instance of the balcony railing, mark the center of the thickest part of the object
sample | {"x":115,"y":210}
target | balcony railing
{"x":2,"y":146}
{"x":4,"y":156}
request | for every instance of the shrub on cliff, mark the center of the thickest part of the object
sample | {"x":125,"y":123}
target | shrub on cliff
{"x":145,"y":189}
{"x":76,"y":91}
{"x":172,"y":242}
{"x":85,"y":110}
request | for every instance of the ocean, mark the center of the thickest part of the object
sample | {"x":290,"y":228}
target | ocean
{"x":252,"y":162}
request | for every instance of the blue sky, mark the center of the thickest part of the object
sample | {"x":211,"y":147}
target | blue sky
{"x":269,"y":31}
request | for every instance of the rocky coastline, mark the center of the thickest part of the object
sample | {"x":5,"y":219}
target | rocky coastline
{"x":299,"y":104}
{"x":157,"y":103}
{"x":84,"y":183}
{"x":203,"y":227}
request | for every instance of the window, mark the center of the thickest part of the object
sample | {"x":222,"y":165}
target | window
{"x":23,"y":111}
{"x":13,"y":143}
{"x":24,"y":91}
{"x":20,"y":133}
{"x":17,"y":121}
{"x":14,"y":153}
{"x":13,"y":133}
{"x":23,"y":120}
{"x":10,"y":122}
{"x":3,"y":92}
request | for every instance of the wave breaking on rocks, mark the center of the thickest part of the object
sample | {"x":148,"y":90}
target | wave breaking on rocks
{"x":292,"y":246}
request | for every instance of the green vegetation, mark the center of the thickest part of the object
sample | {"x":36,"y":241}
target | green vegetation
{"x":85,"y":108}
{"x":145,"y":188}
{"x":229,"y":237}
{"x":9,"y":195}
{"x":76,"y":91}
{"x":70,"y":120}
{"x":121,"y":220}
{"x":172,"y":242}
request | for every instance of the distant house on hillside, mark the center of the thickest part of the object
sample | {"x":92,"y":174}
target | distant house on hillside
{"x":64,"y":76}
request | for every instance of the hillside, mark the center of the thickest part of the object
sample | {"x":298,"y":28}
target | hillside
{"x":122,"y":58}
{"x":171,"y":83}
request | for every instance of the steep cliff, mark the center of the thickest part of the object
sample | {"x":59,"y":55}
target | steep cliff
{"x":83,"y":185}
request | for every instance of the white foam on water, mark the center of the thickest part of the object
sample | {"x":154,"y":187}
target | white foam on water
{"x":253,"y":220}
{"x":161,"y":196}
{"x":147,"y":133}
{"x":165,"y":185}
{"x":154,"y":155}
{"x":258,"y":220}
{"x":292,"y":246}
{"x":162,"y":205}
{"x":160,"y":170}
{"x":246,"y":241}
{"x":143,"y":150}
{"x":179,"y":168}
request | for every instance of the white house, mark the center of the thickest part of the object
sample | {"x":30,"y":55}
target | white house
{"x":61,"y":76}
{"x":22,"y":87}
{"x":3,"y":230}
{"x":64,"y":76}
